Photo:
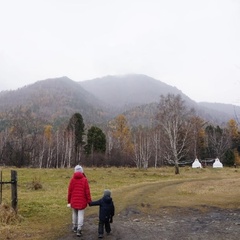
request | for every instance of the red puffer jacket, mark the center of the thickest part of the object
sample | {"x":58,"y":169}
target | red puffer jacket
{"x":78,"y":191}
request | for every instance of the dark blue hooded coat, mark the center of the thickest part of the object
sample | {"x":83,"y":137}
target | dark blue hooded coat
{"x":106,"y":208}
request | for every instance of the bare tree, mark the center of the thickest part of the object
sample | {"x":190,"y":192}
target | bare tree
{"x":218,"y":140}
{"x":23,"y":130}
{"x":174,"y":119}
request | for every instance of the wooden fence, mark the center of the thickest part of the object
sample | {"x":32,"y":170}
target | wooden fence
{"x":13,"y":183}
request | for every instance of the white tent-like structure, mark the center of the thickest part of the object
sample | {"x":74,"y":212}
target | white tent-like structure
{"x":217,"y":164}
{"x":196,"y":164}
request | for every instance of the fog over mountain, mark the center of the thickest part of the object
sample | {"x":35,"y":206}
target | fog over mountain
{"x":129,"y":90}
{"x":125,"y":92}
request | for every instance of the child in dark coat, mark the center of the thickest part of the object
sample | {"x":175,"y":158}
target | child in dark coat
{"x":106,"y":212}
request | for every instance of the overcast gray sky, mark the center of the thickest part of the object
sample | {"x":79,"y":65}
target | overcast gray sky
{"x":191,"y":44}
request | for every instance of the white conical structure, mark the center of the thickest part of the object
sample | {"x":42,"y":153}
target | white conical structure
{"x":196,"y":164}
{"x":217,"y":164}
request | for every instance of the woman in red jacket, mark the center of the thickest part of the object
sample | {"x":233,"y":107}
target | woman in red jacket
{"x":79,"y":197}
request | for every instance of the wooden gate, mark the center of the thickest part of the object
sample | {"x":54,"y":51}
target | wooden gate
{"x":13,"y":183}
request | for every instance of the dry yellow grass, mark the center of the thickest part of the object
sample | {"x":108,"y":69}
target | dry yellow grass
{"x":44,"y":215}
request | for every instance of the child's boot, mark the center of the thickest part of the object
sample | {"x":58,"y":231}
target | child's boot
{"x":79,"y":233}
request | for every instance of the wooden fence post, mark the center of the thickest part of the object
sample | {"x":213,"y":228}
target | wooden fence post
{"x":14,"y":189}
{"x":0,"y":187}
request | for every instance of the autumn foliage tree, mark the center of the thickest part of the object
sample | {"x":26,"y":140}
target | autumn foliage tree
{"x":121,"y":137}
{"x":233,"y":129}
{"x":197,"y":145}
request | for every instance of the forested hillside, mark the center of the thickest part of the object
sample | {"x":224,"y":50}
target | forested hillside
{"x":120,"y":121}
{"x":54,"y":101}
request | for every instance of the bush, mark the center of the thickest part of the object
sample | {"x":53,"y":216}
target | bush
{"x":35,"y":184}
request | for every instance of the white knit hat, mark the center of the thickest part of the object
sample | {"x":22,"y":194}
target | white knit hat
{"x":78,"y":168}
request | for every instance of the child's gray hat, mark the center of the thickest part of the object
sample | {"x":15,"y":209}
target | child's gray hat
{"x":107,"y":192}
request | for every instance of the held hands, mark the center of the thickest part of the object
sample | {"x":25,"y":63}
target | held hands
{"x":111,"y":219}
{"x":68,"y":205}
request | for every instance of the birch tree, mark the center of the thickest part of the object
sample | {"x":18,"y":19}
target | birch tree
{"x":156,"y":140}
{"x":142,"y":145}
{"x":174,"y":119}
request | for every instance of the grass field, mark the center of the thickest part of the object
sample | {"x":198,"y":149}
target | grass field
{"x":43,"y":213}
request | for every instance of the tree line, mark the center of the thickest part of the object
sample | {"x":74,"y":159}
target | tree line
{"x":176,"y":134}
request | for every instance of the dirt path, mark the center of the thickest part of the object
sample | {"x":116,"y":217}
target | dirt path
{"x":162,"y":223}
{"x":172,"y":224}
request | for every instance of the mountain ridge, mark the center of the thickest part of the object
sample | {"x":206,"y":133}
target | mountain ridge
{"x":130,"y":85}
{"x":53,"y":98}
{"x":101,"y":99}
